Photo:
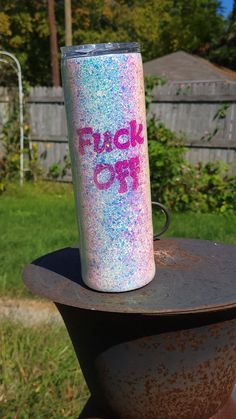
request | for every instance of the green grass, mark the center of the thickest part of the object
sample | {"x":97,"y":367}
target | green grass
{"x":37,"y":219}
{"x":34,"y":220}
{"x":39,"y":373}
{"x":215,"y":227}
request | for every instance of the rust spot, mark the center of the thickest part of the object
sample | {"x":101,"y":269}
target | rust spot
{"x":189,"y":374}
{"x":173,"y":256}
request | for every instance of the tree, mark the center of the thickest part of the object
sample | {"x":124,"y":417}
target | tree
{"x":27,"y":37}
{"x":161,"y":26}
{"x":192,"y":26}
{"x":53,"y":43}
{"x":223,"y":50}
{"x":68,"y":22}
{"x":120,"y":21}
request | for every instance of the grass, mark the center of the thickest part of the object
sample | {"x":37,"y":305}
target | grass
{"x":39,"y":373}
{"x":37,"y":219}
{"x":34,"y":220}
{"x":215,"y":227}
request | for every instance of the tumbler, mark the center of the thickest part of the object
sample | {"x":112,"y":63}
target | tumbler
{"x":105,"y":107}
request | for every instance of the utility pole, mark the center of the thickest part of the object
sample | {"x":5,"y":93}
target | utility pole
{"x":68,"y":22}
{"x":53,"y":43}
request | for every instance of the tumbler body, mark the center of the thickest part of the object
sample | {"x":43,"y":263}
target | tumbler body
{"x":105,"y":107}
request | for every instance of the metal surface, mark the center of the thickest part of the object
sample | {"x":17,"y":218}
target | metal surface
{"x":227,"y":412}
{"x":192,"y":276}
{"x":91,"y":411}
{"x":166,"y":351}
{"x":151,"y":367}
{"x":183,"y":374}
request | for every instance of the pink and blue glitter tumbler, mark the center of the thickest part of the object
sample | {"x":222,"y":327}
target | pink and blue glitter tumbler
{"x":105,"y":106}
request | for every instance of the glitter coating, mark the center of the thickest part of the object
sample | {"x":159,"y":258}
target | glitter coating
{"x":104,"y":99}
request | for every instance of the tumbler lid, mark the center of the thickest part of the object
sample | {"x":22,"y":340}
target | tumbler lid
{"x":88,"y":50}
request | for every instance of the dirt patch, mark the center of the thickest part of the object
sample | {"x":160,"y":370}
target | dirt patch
{"x":29,"y":312}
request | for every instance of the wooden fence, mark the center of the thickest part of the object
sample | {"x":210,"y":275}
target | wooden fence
{"x":204,"y":112}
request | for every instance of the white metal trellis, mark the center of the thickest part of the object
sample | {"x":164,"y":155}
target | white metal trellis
{"x":21,"y":114}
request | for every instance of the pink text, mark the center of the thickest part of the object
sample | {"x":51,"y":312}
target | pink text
{"x":120,"y":171}
{"x":122,"y":139}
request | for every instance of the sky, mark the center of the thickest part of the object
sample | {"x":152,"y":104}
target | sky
{"x":227,"y":5}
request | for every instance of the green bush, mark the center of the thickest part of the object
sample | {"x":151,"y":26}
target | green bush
{"x":182,"y":186}
{"x":10,"y":162}
{"x":165,"y":158}
{"x":10,"y":140}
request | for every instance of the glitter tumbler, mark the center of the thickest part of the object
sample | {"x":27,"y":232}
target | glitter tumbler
{"x":105,"y":107}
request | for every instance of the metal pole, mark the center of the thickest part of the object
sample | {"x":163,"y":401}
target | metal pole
{"x":21,"y":120}
{"x":21,"y":112}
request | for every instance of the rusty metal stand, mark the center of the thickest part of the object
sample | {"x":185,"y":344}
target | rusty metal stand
{"x":166,"y":350}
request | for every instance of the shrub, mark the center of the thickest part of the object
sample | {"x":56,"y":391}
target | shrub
{"x":182,"y":186}
{"x":165,"y":157}
{"x":10,"y":162}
